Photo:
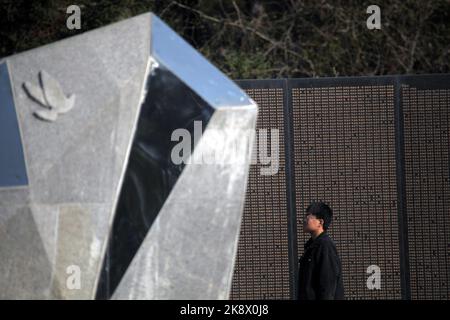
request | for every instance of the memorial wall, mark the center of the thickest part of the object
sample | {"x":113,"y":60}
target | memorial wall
{"x":376,"y":149}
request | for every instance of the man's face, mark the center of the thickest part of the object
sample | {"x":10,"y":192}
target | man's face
{"x":311,"y":223}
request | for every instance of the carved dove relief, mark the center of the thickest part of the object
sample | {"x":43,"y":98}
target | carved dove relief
{"x":50,"y":96}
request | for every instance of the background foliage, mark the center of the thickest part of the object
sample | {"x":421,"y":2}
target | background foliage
{"x":263,"y":39}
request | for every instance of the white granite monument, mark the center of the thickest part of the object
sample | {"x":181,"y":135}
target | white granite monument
{"x":85,"y":138}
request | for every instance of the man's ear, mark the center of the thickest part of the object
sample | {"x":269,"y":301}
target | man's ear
{"x":322,"y":222}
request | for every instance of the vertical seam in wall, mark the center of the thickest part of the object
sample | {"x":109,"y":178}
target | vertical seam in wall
{"x":401,"y":190}
{"x":290,"y":188}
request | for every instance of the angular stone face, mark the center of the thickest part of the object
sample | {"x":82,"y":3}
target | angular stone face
{"x":95,"y":117}
{"x":189,"y":251}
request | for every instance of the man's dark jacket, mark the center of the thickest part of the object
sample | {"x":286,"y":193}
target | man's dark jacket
{"x":320,"y":271}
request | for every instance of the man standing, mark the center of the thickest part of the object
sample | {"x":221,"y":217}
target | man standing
{"x":320,"y":271}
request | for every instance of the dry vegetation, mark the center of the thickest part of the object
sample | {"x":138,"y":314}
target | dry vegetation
{"x":264,"y":39}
